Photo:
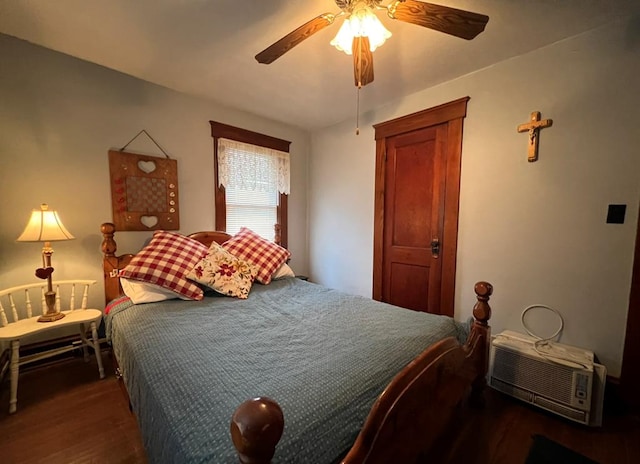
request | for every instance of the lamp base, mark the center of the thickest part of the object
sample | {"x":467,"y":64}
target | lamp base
{"x":50,"y":297}
{"x":50,"y":317}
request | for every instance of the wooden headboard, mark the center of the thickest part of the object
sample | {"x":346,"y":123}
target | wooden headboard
{"x":111,"y":263}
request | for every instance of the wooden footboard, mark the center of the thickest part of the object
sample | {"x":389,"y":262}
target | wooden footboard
{"x":407,"y":418}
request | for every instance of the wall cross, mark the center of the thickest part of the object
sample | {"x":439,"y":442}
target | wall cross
{"x":533,"y":128}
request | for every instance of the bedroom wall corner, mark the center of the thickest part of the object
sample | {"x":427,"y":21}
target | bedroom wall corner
{"x":537,"y":231}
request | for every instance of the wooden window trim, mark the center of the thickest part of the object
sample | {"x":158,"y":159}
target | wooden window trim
{"x":220,"y":130}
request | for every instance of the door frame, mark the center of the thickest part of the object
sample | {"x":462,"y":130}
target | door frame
{"x":452,"y":114}
{"x":630,"y":374}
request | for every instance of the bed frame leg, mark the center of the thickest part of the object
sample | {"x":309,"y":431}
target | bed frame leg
{"x":476,"y":398}
{"x":256,"y":428}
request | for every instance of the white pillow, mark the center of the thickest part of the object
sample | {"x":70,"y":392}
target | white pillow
{"x":283,"y":271}
{"x":143,"y":292}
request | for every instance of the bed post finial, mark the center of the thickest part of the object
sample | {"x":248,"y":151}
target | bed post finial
{"x":109,"y":246}
{"x":482,"y":310}
{"x":256,"y":428}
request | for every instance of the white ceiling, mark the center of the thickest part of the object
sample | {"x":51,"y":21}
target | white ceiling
{"x":207,"y":47}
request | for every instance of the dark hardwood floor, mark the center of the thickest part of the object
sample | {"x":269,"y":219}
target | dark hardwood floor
{"x":501,"y":433}
{"x":67,"y":415}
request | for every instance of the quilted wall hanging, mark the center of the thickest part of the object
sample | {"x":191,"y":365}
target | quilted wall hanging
{"x":144,"y":191}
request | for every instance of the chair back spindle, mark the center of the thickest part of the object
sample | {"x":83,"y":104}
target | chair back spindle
{"x":85,"y":298}
{"x":57,"y":290}
{"x":3,"y":317}
{"x":14,"y":310}
{"x":27,"y":302}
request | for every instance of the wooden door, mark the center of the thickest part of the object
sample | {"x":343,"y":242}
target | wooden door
{"x":413,"y":219}
{"x":416,"y":208}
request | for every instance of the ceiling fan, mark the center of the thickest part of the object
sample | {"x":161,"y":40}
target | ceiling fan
{"x":362,"y":31}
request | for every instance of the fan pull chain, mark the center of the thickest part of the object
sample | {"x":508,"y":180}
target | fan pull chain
{"x":358,"y":110}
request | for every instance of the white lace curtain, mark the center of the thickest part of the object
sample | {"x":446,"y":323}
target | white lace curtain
{"x":251,"y":167}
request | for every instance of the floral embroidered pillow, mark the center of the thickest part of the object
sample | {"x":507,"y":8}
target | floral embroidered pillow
{"x":224,"y":273}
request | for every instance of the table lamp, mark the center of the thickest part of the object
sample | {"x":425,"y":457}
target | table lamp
{"x":46,"y":226}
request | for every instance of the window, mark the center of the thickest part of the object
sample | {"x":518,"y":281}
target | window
{"x":252,"y":181}
{"x":252,"y":177}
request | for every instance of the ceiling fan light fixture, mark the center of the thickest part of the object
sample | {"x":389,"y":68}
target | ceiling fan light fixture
{"x":360,"y":23}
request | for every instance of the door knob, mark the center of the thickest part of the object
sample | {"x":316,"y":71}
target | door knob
{"x":435,"y":247}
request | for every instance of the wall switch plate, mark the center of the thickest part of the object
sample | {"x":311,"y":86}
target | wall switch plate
{"x":615,"y":214}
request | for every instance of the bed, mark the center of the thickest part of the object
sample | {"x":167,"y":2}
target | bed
{"x":296,"y":372}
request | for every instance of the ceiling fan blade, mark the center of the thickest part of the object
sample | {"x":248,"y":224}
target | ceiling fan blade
{"x":282,"y":46}
{"x":459,"y":23}
{"x":362,"y":61}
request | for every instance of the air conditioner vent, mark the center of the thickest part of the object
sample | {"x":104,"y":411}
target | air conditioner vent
{"x":511,"y":390}
{"x":550,"y":380}
{"x":549,"y":405}
{"x":571,"y":413}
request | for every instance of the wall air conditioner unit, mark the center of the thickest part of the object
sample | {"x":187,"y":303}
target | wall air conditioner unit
{"x":562,"y":379}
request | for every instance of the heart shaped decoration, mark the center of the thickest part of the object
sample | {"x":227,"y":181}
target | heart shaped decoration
{"x":44,"y":272}
{"x":147,"y":166}
{"x":149,"y":221}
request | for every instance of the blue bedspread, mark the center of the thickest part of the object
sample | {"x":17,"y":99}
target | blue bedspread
{"x":324,"y":355}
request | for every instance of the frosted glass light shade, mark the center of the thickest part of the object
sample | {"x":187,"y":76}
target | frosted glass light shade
{"x":361,"y":23}
{"x":44,"y":226}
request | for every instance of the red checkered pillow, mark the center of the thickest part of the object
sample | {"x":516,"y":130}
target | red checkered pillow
{"x":265,"y":255}
{"x":166,"y":261}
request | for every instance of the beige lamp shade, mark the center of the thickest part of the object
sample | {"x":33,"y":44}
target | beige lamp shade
{"x":44,"y":226}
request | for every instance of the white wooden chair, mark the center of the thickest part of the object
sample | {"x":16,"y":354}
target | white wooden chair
{"x":23,"y":322}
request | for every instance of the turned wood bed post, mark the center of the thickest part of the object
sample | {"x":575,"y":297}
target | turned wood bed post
{"x":482,"y":314}
{"x":110,"y":261}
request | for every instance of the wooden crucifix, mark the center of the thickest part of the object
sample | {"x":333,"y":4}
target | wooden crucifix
{"x":533,"y":128}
